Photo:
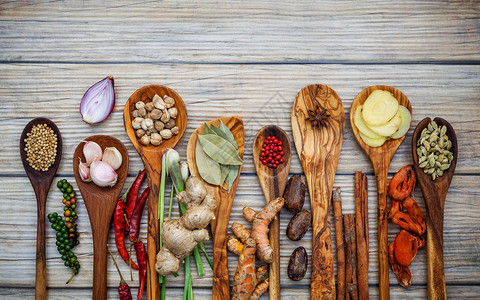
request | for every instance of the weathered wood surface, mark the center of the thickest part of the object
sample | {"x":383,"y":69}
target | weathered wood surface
{"x":248,"y":59}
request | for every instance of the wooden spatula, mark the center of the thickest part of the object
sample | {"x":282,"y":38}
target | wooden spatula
{"x":319,"y":150}
{"x":434,"y":194}
{"x":100,"y":203}
{"x":221,"y":286}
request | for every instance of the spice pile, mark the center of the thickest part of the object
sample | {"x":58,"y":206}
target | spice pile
{"x":272,"y":152}
{"x":41,"y":147}
{"x":69,"y":210}
{"x":100,"y":165}
{"x":433,"y":150}
{"x":155,"y":121}
{"x":403,"y":249}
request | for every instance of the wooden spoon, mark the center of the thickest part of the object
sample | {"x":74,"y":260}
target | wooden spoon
{"x":380,"y":158}
{"x":319,"y":150}
{"x":41,"y":182}
{"x":434,"y":194}
{"x":221,"y":284}
{"x":100,"y":203}
{"x":273,"y":183}
{"x":152,"y":159}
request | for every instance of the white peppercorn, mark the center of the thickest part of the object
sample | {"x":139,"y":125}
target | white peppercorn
{"x":175,"y":130}
{"x":158,"y":102}
{"x":140,"y":132}
{"x":156,"y":114}
{"x":137,"y":123}
{"x":145,"y":140}
{"x":173,"y":112}
{"x":169,"y":101}
{"x":149,"y":106}
{"x":170,"y":124}
{"x":159,"y":125}
{"x":165,"y":116}
{"x":147,"y":124}
{"x":166,"y":134}
{"x":139,"y":104}
{"x":135,"y":113}
{"x":142,"y":112}
{"x":155,"y":139}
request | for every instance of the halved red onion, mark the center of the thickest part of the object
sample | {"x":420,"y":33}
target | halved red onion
{"x":98,"y":102}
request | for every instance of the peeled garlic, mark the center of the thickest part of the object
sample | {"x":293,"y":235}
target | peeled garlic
{"x":113,"y":157}
{"x":84,"y":172}
{"x":92,"y":151}
{"x":103,"y":174}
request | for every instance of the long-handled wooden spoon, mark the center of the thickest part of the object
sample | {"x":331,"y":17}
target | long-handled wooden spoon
{"x":41,"y":182}
{"x":100,"y":203}
{"x":319,"y":150}
{"x":434,"y":194}
{"x":380,"y":158}
{"x":273,"y":183}
{"x":221,"y":285}
{"x":152,"y":159}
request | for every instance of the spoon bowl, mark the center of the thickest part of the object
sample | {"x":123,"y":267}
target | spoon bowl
{"x":100,"y":203}
{"x":152,"y":159}
{"x":221,"y":284}
{"x":273,"y":183}
{"x":41,"y":182}
{"x":434,"y":194}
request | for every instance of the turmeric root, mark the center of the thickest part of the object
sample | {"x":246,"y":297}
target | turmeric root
{"x":249,"y":214}
{"x":182,"y":235}
{"x":260,"y":289}
{"x":245,"y":279}
{"x":240,"y":232}
{"x":260,"y":229}
{"x":234,"y":245}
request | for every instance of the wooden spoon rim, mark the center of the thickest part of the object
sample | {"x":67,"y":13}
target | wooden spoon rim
{"x":143,"y":93}
{"x":281,"y":135}
{"x":34,"y":175}
{"x":391,"y":144}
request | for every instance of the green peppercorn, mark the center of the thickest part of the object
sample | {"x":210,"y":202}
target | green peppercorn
{"x":67,"y":263}
{"x":70,"y":254}
{"x":66,"y":185}
{"x":59,"y":234}
{"x":55,"y":214}
{"x":59,"y":184}
{"x":73,"y":214}
{"x":63,"y":190}
{"x":61,"y":251}
{"x":64,"y":257}
{"x":69,"y":190}
{"x":58,"y":243}
{"x":73,"y":206}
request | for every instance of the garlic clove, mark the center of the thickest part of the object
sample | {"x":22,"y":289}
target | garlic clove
{"x":84,"y":171}
{"x":103,"y":174}
{"x":113,"y":157}
{"x":92,"y":151}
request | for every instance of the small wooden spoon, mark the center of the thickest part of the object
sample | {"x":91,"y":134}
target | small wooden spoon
{"x":152,"y":159}
{"x":100,"y":203}
{"x":319,"y":151}
{"x":380,"y":158}
{"x":41,"y":182}
{"x":273,"y":183}
{"x":434,"y":194}
{"x":221,"y":284}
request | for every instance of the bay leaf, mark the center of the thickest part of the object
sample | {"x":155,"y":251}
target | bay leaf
{"x":225,"y":133}
{"x":224,"y":170}
{"x":207,"y":129}
{"x":219,"y":149}
{"x":208,"y":168}
{"x":232,"y":175}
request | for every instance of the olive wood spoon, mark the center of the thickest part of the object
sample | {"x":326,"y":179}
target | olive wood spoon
{"x":100,"y":203}
{"x":152,"y":160}
{"x":221,"y":284}
{"x":319,"y":151}
{"x":380,"y":158}
{"x":41,"y":182}
{"x":434,"y":194}
{"x":273,"y":183}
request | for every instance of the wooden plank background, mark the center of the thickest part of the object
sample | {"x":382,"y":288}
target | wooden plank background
{"x":245,"y":58}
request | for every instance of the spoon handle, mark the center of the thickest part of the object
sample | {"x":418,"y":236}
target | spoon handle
{"x":100,"y":240}
{"x":41,"y":265}
{"x":381,"y":173}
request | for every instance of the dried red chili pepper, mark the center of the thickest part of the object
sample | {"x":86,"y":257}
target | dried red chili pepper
{"x":415,"y":213}
{"x":123,"y":288}
{"x":133,"y":195}
{"x":406,"y":247}
{"x":142,"y":263}
{"x":404,"y":277}
{"x":134,"y":231}
{"x":402,"y":183}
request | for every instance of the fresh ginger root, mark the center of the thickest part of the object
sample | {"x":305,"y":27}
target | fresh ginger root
{"x":182,"y":235}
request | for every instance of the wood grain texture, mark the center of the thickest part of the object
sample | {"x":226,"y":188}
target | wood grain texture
{"x":339,"y":243}
{"x":212,"y":32}
{"x":41,"y":182}
{"x":152,"y":160}
{"x":221,"y":283}
{"x":319,"y":151}
{"x":100,"y":203}
{"x":350,"y":256}
{"x":361,"y":233}
{"x":273,"y":182}
{"x":434,"y":194}
{"x":380,"y":158}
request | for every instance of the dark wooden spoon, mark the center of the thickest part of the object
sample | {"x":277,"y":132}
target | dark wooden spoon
{"x":273,"y":183}
{"x":152,"y":159}
{"x":380,"y":158}
{"x":100,"y":203}
{"x":434,"y":194}
{"x":41,"y":182}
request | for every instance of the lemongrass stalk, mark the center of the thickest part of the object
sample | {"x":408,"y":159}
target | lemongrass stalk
{"x":188,"y":279}
{"x":202,"y":247}
{"x":171,"y":202}
{"x":161,"y":203}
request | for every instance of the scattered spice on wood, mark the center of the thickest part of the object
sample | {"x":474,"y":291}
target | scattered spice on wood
{"x":361,"y":219}
{"x":41,"y":147}
{"x":338,"y":222}
{"x":350,"y":256}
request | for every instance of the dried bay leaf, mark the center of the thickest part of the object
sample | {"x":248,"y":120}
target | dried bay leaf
{"x":207,"y":129}
{"x":225,"y":133}
{"x":232,"y":175}
{"x":219,"y":149}
{"x":225,"y":169}
{"x":208,"y":168}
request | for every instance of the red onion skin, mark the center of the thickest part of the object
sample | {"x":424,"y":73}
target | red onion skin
{"x":113,"y":106}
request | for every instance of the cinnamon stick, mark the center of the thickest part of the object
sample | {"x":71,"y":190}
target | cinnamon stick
{"x":350,"y":253}
{"x":338,"y":222}
{"x":361,"y":220}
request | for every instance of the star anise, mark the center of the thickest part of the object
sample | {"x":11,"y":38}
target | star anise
{"x":318,"y":116}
